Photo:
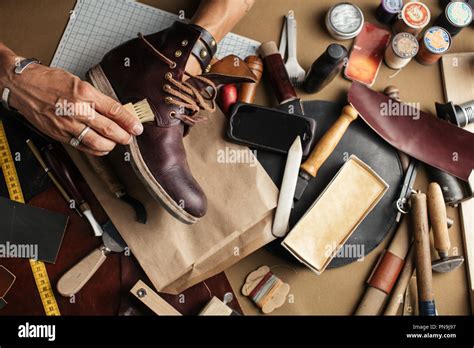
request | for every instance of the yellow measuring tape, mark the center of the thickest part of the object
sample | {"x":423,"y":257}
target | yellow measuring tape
{"x":14,"y":190}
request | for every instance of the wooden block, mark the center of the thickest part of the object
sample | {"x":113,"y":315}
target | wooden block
{"x":216,"y":307}
{"x":156,"y":303}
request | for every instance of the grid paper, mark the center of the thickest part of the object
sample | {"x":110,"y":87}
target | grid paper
{"x":95,"y":27}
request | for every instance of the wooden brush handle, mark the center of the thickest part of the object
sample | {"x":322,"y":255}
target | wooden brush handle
{"x":248,"y":90}
{"x":329,"y":141}
{"x":438,"y":219}
{"x":421,"y":238}
{"x":106,"y":173}
{"x":277,"y":73}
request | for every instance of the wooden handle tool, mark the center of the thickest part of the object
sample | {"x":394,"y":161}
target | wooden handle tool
{"x":438,"y":220}
{"x":421,"y":238}
{"x":248,"y":90}
{"x":329,"y":141}
{"x":74,"y":279}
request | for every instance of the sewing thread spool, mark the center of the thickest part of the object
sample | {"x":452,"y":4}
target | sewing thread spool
{"x":401,"y":50}
{"x":265,"y":289}
{"x":413,"y":18}
{"x":344,"y":21}
{"x":388,"y":11}
{"x":456,"y":16}
{"x":435,"y":42}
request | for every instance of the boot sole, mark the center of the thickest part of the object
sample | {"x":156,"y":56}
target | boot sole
{"x":98,"y":79}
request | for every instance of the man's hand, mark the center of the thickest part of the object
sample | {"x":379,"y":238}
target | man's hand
{"x":61,"y":105}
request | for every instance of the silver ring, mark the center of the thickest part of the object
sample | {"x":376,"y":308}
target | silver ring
{"x":76,"y":141}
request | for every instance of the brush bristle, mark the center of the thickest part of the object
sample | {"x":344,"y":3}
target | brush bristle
{"x":142,"y":110}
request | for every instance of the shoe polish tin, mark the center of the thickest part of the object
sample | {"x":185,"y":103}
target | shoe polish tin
{"x":403,"y":47}
{"x":435,"y":42}
{"x":344,"y":21}
{"x":456,"y":16}
{"x":413,"y":18}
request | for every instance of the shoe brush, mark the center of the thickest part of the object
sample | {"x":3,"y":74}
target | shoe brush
{"x":142,"y":110}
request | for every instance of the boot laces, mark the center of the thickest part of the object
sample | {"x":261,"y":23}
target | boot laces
{"x":186,"y":96}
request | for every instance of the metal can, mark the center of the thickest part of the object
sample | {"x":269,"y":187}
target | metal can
{"x":344,"y":21}
{"x":388,"y":11}
{"x":402,"y":49}
{"x":413,"y":18}
{"x":435,"y":42}
{"x":456,"y":16}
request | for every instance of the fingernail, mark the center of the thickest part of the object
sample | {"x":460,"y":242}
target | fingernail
{"x":138,"y":129}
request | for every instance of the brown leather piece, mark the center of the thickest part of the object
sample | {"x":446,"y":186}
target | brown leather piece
{"x":108,"y":291}
{"x":6,"y":280}
{"x":416,"y":133}
{"x":279,"y":77}
{"x":386,"y":272}
{"x":98,"y":296}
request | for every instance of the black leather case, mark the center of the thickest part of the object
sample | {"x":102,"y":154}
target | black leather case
{"x":361,"y":141}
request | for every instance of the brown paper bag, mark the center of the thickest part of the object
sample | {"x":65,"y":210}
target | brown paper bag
{"x":241,"y":202}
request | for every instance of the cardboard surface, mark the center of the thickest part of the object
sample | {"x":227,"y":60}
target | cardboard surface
{"x":337,"y":291}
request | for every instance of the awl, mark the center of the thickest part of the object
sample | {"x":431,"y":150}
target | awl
{"x":66,"y":176}
{"x":287,"y":191}
{"x":323,"y":149}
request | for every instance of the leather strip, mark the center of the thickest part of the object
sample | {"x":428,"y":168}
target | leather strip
{"x":207,"y":38}
{"x":198,"y":50}
{"x":416,"y":133}
{"x":386,"y":272}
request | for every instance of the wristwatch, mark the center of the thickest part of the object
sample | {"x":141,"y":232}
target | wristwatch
{"x":19,"y":68}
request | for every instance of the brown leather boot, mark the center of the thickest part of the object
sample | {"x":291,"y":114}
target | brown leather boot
{"x":153,"y":67}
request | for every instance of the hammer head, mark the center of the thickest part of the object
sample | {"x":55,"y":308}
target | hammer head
{"x":447,"y":264}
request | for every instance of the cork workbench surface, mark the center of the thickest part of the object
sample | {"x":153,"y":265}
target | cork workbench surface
{"x":34,"y":28}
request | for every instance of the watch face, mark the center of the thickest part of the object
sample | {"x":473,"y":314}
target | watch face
{"x":346,"y":18}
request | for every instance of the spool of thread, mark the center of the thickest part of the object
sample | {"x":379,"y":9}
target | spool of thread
{"x":456,"y":16}
{"x":435,"y":42}
{"x":413,"y":18}
{"x":401,"y":50}
{"x":388,"y":11}
{"x":344,"y":21}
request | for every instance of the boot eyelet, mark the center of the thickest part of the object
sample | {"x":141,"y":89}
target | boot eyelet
{"x":168,"y":100}
{"x":166,"y":88}
{"x":168,"y":75}
{"x":178,"y":54}
{"x":172,"y":114}
{"x":184,"y":43}
{"x":172,"y":65}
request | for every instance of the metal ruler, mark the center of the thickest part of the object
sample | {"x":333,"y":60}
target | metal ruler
{"x":14,"y":190}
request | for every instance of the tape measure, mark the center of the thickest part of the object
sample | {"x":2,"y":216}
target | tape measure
{"x":14,"y":190}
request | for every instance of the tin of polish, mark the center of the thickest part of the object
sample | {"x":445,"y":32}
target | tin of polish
{"x":344,"y":21}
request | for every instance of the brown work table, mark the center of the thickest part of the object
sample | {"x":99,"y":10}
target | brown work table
{"x":34,"y":28}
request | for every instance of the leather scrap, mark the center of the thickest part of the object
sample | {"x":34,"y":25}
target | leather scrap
{"x":416,"y":133}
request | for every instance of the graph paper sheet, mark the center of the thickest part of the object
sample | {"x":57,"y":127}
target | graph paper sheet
{"x":95,"y":27}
